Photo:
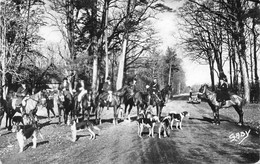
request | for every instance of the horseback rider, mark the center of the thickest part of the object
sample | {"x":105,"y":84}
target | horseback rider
{"x":107,"y":91}
{"x":64,"y":86}
{"x":132,"y":86}
{"x":81,"y":89}
{"x":153,"y":90}
{"x":22,"y":95}
{"x":222,"y":94}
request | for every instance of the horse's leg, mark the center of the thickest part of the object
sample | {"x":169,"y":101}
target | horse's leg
{"x":217,"y":115}
{"x":48,"y":112}
{"x":1,"y":117}
{"x":129,"y":111}
{"x":115,"y":114}
{"x":59,"y":110}
{"x":241,"y":114}
{"x":89,"y":111}
{"x":157,"y":110}
{"x":6,"y":119}
{"x":83,"y":112}
{"x":100,"y":110}
{"x":126,"y":104}
{"x":10,"y":122}
{"x":214,"y":115}
{"x":52,"y":111}
{"x":137,"y":111}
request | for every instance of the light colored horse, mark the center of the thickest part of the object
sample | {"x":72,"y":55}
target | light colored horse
{"x":235,"y":101}
{"x":31,"y":105}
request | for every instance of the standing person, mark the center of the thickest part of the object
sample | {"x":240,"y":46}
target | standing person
{"x":190,"y":91}
{"x":222,"y":94}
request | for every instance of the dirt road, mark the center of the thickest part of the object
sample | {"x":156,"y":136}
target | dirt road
{"x":199,"y":142}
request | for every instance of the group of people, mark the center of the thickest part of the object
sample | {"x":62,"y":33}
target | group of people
{"x":78,"y":88}
{"x":106,"y":91}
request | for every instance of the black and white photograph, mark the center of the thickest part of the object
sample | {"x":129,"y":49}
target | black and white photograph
{"x":129,"y":81}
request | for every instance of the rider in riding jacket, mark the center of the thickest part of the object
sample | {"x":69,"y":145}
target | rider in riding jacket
{"x":81,"y":89}
{"x":222,"y":94}
{"x":132,"y":86}
{"x":22,"y":95}
{"x":107,"y":87}
{"x":153,"y":89}
{"x":64,"y":86}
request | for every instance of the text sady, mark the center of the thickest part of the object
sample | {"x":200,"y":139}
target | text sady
{"x":239,"y":136}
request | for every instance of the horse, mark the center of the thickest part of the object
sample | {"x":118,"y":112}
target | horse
{"x":87,"y":104}
{"x":166,"y":92}
{"x":6,"y":107}
{"x":31,"y":106}
{"x":235,"y":101}
{"x":65,"y":103}
{"x":127,"y":98}
{"x":101,"y":102}
{"x":141,"y":101}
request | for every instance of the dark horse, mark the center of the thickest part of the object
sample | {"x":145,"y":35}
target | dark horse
{"x":127,"y":98}
{"x":6,"y":107}
{"x":156,"y":100}
{"x":65,"y":104}
{"x":131,"y":98}
{"x":101,"y":103}
{"x":235,"y":101}
{"x":87,"y":103}
{"x":140,"y":101}
{"x":166,"y":92}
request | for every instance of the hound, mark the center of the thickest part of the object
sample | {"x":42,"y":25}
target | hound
{"x":165,"y":126}
{"x":84,"y":125}
{"x":27,"y":132}
{"x":147,"y":120}
{"x":178,"y":117}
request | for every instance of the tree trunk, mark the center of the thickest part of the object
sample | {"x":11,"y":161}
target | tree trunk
{"x":242,"y":53}
{"x":106,"y":33}
{"x":95,"y":49}
{"x":120,"y":75}
{"x":256,"y":87}
{"x":70,"y":28}
{"x":121,"y":68}
{"x":211,"y":68}
{"x":4,"y":88}
{"x":170,"y":73}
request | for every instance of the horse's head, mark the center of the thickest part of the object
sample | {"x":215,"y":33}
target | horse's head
{"x":203,"y":88}
{"x":202,"y":91}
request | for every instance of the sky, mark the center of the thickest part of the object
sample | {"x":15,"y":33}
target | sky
{"x":167,"y":27}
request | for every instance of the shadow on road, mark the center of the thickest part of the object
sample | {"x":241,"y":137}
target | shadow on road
{"x":207,"y":119}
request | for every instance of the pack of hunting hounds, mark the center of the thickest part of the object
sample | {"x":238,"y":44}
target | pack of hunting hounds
{"x":26,"y":128}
